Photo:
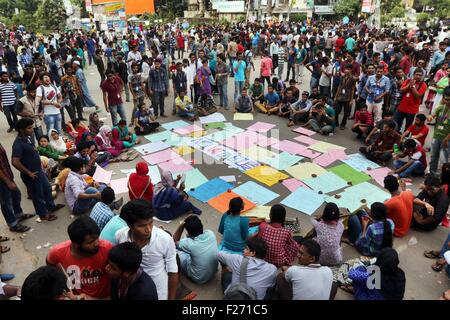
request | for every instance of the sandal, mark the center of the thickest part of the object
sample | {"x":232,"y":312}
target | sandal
{"x":50,"y":217}
{"x":431,"y":254}
{"x":26,"y":216}
{"x":4,"y":239}
{"x":437,"y":267}
{"x":4,"y":249}
{"x":19,"y":228}
{"x":57,"y":207}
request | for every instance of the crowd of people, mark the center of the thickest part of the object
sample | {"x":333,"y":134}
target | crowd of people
{"x":380,"y":79}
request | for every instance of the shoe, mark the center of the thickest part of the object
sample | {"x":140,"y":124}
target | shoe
{"x":342,"y":127}
{"x":10,"y":130}
{"x":163,"y":116}
{"x":19,"y":228}
{"x":7,"y":276}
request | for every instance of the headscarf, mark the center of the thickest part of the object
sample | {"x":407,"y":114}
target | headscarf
{"x":59,"y":144}
{"x":139,"y":182}
{"x":392,"y":277}
{"x":166,"y":181}
{"x":103,"y":134}
{"x":94,"y":125}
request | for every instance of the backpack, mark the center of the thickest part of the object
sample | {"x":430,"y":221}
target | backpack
{"x":241,"y":291}
{"x":41,"y":106}
{"x":248,"y":59}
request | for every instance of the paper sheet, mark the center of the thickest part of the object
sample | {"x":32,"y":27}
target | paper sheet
{"x":349,"y":174}
{"x":222,"y":202}
{"x":261,"y":212}
{"x":259,"y":154}
{"x":267,"y":142}
{"x":119,"y":185}
{"x":261,"y":127}
{"x":101,"y":175}
{"x":282,"y":161}
{"x":228,"y":178}
{"x":305,"y":170}
{"x":188,"y":130}
{"x":183,"y":150}
{"x":215,"y":117}
{"x":304,"y":131}
{"x":161,"y":156}
{"x":175,"y":124}
{"x":293,"y":184}
{"x":232,"y":128}
{"x":180,"y":165}
{"x":358,"y":162}
{"x":159,"y":136}
{"x":214,"y":125}
{"x":323,"y":146}
{"x":151,"y":147}
{"x":310,"y":154}
{"x":326,"y":183}
{"x":289,"y":146}
{"x":256,"y":193}
{"x":220,"y":135}
{"x":240,"y":162}
{"x":331,"y":156}
{"x":175,"y":140}
{"x":355,"y":197}
{"x":306,"y":140}
{"x":267,"y":175}
{"x":243,"y":116}
{"x":194,"y":178}
{"x":304,"y":200}
{"x":379,"y":174}
{"x":210,"y":189}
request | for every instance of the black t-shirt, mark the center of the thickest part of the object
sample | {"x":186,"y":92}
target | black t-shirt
{"x":440,"y":204}
{"x":143,"y":288}
{"x":23,"y":148}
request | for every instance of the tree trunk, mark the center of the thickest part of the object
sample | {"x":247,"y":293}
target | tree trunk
{"x":269,"y":8}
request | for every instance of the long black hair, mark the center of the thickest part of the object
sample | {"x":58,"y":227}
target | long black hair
{"x":379,"y":213}
{"x":445,"y":176}
{"x":236,"y":206}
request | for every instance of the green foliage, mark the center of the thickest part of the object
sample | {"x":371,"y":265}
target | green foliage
{"x":422,"y":18}
{"x":297,"y":17}
{"x":52,"y":15}
{"x":394,"y":12}
{"x":349,"y":8}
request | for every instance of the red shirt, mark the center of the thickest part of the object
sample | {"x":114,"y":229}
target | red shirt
{"x":415,"y":130}
{"x":409,"y":103}
{"x":419,"y":154}
{"x":364,"y":118}
{"x":180,"y":42}
{"x":240,"y":48}
{"x":88,"y":275}
{"x":114,"y":90}
{"x":400,"y":210}
{"x":405,"y":64}
{"x":339,"y":43}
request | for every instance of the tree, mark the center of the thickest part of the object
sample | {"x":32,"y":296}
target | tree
{"x":422,"y":18}
{"x":349,"y":8}
{"x":30,"y":6}
{"x":7,"y":8}
{"x":52,"y":15}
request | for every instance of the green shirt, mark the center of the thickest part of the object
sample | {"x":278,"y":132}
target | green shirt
{"x":442,"y":127}
{"x":257,"y":90}
{"x":49,"y":152}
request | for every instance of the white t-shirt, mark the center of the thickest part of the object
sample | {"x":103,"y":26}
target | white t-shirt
{"x":51,"y":94}
{"x":324,"y":80}
{"x":158,"y":258}
{"x":311,"y":282}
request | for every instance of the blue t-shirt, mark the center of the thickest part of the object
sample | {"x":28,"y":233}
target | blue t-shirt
{"x":350,"y":44}
{"x":109,"y":231}
{"x":203,"y":252}
{"x":239,"y":75}
{"x":23,"y":148}
{"x":272,"y":99}
{"x":235,"y":230}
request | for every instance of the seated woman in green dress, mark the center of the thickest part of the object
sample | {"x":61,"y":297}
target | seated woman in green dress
{"x":120,"y":134}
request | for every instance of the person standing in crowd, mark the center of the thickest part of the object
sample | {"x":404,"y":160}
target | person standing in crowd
{"x":27,"y":108}
{"x":49,"y":97}
{"x":87,"y":99}
{"x":137,"y":89}
{"x":8,"y":99}
{"x":179,"y":82}
{"x":71,"y":94}
{"x":221,"y":78}
{"x":441,"y":135}
{"x":344,"y":96}
{"x":239,"y":75}
{"x":112,"y":89}
{"x":157,"y":85}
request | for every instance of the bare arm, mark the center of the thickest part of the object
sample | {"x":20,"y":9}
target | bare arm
{"x":173,"y":284}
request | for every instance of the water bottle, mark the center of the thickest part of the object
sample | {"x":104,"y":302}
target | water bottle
{"x":396,"y":149}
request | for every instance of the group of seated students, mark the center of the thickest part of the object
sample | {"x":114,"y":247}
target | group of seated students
{"x":311,"y":110}
{"x":186,"y":109}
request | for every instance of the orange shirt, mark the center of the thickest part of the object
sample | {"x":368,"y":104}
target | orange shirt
{"x":399,"y":210}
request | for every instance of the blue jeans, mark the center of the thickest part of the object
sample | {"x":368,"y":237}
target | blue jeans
{"x":83,"y":205}
{"x":223,"y":95}
{"x":355,"y":226}
{"x":11,"y":69}
{"x":436,"y":148}
{"x":183,"y":113}
{"x":314,"y":82}
{"x":445,"y":246}
{"x":10,"y":204}
{"x":415,"y":169}
{"x":117,"y":109}
{"x":185,"y":261}
{"x":40,"y":192}
{"x":400,"y":116}
{"x":53,"y":121}
{"x":10,"y":114}
{"x":238,"y":86}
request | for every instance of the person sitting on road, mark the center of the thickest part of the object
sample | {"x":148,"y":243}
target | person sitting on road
{"x":271,"y":102}
{"x":363,"y":121}
{"x":382,"y":149}
{"x":185,"y":107}
{"x":299,"y":111}
{"x":416,"y":160}
{"x":286,"y":102}
{"x":243,"y":103}
{"x":322,"y":118}
{"x":206,"y":105}
{"x":144,"y":121}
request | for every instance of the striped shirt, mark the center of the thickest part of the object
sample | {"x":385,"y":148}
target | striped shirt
{"x":8,"y":93}
{"x":281,"y":55}
{"x":101,"y":214}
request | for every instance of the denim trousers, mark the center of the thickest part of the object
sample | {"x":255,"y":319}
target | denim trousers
{"x":11,"y":115}
{"x":117,"y":109}
{"x":53,"y":121}
{"x":223,"y":95}
{"x":83,"y":205}
{"x":40,"y":192}
{"x":238,"y":86}
{"x":158,"y":102}
{"x":415,"y":169}
{"x":10,"y":204}
{"x":438,"y":151}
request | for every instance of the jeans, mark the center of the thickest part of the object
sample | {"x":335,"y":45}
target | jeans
{"x":11,"y":116}
{"x":117,"y":109}
{"x":90,"y":57}
{"x":232,"y":59}
{"x":376,"y":109}
{"x":280,"y":71}
{"x":11,"y":69}
{"x":223,"y":94}
{"x":180,"y":52}
{"x":355,"y":226}
{"x":40,"y":192}
{"x":436,"y":148}
{"x":290,"y":67}
{"x":136,"y":103}
{"x":415,"y":169}
{"x":83,"y":205}
{"x":158,"y":102}
{"x":238,"y":86}
{"x":37,"y":134}
{"x":314,"y":82}
{"x":338,"y":108}
{"x":53,"y":121}
{"x":299,"y":67}
{"x":127,"y":93}
{"x":325,"y":91}
{"x":445,"y":246}
{"x":10,"y":204}
{"x":400,"y":116}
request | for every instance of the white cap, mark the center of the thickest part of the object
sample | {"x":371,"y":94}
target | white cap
{"x":77,"y":62}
